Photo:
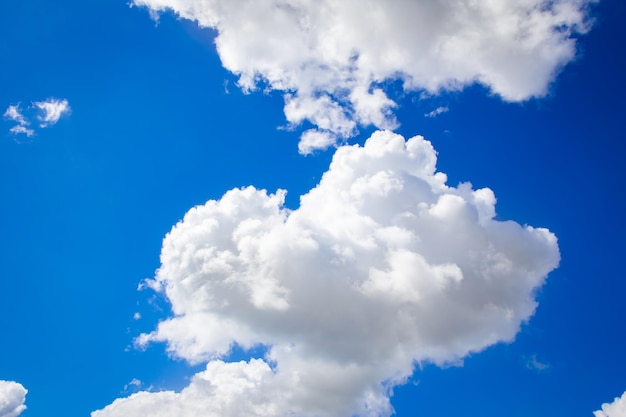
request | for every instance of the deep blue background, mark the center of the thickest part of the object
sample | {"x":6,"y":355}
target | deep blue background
{"x":85,"y":205}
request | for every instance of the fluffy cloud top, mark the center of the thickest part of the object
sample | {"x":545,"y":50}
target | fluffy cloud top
{"x":330,"y":57}
{"x":381,"y":267}
{"x":12,"y":397}
{"x":47,"y":112}
{"x":615,"y":409}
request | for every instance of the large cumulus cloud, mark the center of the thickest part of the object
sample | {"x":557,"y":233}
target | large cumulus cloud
{"x":330,"y":57}
{"x":12,"y":397}
{"x":381,"y":267}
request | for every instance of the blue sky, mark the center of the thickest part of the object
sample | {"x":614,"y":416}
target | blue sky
{"x":156,"y":124}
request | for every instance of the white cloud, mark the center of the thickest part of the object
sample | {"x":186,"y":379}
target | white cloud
{"x":52,"y":110}
{"x":14,"y":113}
{"x":21,"y":129}
{"x":381,"y":267}
{"x":12,"y":397}
{"x":314,"y":139}
{"x":329,"y":57}
{"x":437,"y":112}
{"x":615,"y":409}
{"x":47,"y":112}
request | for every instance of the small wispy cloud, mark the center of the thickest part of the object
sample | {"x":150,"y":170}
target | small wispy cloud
{"x":52,"y":110}
{"x":535,"y":364}
{"x":439,"y":110}
{"x":21,"y":129}
{"x":47,"y":113}
{"x":134,"y":384}
{"x":324,"y":58}
{"x":15,"y":113}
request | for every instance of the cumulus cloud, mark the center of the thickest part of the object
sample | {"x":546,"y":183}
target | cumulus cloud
{"x":12,"y":397}
{"x":382,"y":267}
{"x":47,"y":113}
{"x":615,"y":409}
{"x":330,"y":58}
{"x":51,"y":111}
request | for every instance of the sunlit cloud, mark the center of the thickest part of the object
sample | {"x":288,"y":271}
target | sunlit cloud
{"x":383,"y":266}
{"x":12,"y":398}
{"x":331,"y":59}
{"x":21,"y":129}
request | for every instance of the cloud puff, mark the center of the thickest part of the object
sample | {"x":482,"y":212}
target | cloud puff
{"x":615,"y":409}
{"x":14,"y":113}
{"x":381,"y":267}
{"x":21,"y":129}
{"x":12,"y":397}
{"x":47,"y":112}
{"x":51,"y":111}
{"x":330,"y":58}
